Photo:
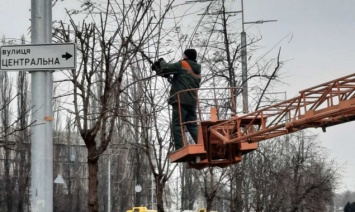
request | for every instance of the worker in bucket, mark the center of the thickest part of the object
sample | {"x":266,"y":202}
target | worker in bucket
{"x":186,"y":75}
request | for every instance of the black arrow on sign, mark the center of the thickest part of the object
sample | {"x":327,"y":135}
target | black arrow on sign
{"x":66,"y":55}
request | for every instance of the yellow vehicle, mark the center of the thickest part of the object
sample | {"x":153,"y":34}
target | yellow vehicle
{"x":204,"y":210}
{"x":140,"y":209}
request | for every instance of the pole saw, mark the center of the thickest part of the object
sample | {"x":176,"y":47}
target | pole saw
{"x":155,"y":66}
{"x":142,"y":53}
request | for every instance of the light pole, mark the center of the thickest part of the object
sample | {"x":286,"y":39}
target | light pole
{"x":42,"y":114}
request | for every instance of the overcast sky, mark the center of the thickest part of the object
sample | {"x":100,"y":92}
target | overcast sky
{"x":317,"y":40}
{"x":321,"y":48}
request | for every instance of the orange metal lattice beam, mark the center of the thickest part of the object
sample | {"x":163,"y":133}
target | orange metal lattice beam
{"x":322,"y":106}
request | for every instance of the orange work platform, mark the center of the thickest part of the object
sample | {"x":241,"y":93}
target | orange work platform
{"x":223,"y":141}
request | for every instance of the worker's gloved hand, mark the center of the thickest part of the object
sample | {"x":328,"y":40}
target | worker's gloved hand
{"x":165,"y":75}
{"x":156,"y":66}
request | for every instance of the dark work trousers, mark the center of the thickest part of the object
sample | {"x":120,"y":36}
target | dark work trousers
{"x":188,"y":113}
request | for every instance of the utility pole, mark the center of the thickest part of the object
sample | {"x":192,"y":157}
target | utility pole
{"x":245,"y":94}
{"x":42,"y":113}
{"x":244,"y":59}
{"x":244,"y":65}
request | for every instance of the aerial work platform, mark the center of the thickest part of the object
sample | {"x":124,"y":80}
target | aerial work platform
{"x":224,"y":141}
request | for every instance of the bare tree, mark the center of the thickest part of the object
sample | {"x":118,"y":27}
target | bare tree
{"x":189,"y":193}
{"x":14,"y":137}
{"x":14,"y":141}
{"x":22,"y":140}
{"x":106,"y":55}
{"x":5,"y":96}
{"x":155,"y":134}
{"x":288,"y":173}
{"x":313,"y":178}
{"x":223,"y":61}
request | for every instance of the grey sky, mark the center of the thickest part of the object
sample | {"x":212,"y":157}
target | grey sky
{"x":318,"y":47}
{"x":14,"y":18}
{"x":322,"y":46}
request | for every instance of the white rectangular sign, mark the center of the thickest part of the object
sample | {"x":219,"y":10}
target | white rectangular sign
{"x":38,"y":57}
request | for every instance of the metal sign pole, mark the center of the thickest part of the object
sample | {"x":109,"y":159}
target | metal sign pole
{"x":42,"y":113}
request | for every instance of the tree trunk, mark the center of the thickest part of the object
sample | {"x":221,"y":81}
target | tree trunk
{"x":238,"y":195}
{"x":8,"y":180}
{"x":23,"y":175}
{"x":159,"y":193}
{"x":22,"y":181}
{"x":187,"y":189}
{"x":209,"y":204}
{"x":93,"y":181}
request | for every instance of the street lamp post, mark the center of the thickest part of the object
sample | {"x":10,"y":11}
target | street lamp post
{"x":42,"y":114}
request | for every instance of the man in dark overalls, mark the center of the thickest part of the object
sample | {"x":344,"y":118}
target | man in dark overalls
{"x":186,"y":75}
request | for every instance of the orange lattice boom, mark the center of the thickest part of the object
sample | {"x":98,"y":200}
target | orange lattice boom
{"x":223,"y":142}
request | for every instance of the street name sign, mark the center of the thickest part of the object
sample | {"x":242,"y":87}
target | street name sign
{"x":34,"y":57}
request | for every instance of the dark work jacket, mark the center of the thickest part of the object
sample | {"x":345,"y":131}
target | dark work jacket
{"x":184,"y":77}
